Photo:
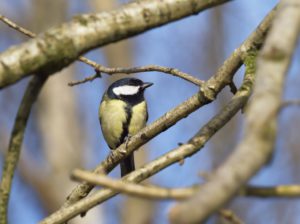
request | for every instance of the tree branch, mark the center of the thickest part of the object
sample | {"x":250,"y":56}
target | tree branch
{"x":176,"y":155}
{"x":224,"y":75}
{"x":288,"y":103}
{"x":30,"y":34}
{"x":100,"y":68}
{"x":147,"y":68}
{"x":258,"y":142}
{"x":152,"y":191}
{"x":210,"y":89}
{"x":149,"y":191}
{"x":15,"y":26}
{"x":16,"y":139}
{"x":161,"y":193}
{"x":284,"y":191}
{"x":61,"y":45}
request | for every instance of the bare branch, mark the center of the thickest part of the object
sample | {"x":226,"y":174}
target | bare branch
{"x":156,"y":192}
{"x":147,"y":68}
{"x":224,"y":75}
{"x":28,"y":33}
{"x":100,"y":68}
{"x":148,"y":191}
{"x":87,"y":79}
{"x":258,"y":143}
{"x":74,"y":207}
{"x":210,"y":89}
{"x":290,"y":103}
{"x":15,"y":143}
{"x":61,"y":45}
{"x":17,"y":27}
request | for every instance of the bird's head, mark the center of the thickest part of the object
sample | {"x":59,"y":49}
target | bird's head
{"x":128,"y":89}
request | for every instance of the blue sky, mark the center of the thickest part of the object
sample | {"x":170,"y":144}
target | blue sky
{"x":189,"y":45}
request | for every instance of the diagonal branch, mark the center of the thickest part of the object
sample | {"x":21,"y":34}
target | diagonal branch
{"x":261,"y":121}
{"x":15,"y":26}
{"x":209,"y":90}
{"x":16,"y":139}
{"x":175,"y":155}
{"x":61,"y":45}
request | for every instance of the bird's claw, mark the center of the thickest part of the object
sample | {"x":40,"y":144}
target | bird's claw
{"x":127,"y":139}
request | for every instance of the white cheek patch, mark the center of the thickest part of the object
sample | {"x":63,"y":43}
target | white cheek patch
{"x":126,"y":90}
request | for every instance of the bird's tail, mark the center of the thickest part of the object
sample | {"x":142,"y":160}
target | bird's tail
{"x":127,"y":165}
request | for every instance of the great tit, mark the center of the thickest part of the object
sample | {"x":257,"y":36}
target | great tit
{"x":122,"y":113}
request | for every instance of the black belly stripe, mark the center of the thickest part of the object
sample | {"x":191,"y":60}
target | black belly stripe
{"x":125,"y":125}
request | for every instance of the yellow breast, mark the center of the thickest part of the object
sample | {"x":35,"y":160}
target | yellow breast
{"x":115,"y":120}
{"x":112,"y":115}
{"x":138,"y":118}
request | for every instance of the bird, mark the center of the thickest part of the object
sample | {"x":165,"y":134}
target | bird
{"x":122,"y":113}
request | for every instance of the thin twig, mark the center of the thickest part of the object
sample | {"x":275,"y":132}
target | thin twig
{"x":287,"y":103}
{"x":87,"y":79}
{"x":17,"y":27}
{"x":16,"y":139}
{"x":147,"y":68}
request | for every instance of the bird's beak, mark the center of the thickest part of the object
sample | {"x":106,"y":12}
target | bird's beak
{"x":146,"y":85}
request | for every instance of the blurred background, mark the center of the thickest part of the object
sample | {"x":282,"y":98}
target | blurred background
{"x":64,"y":133}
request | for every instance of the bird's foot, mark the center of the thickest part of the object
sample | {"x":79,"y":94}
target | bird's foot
{"x":127,"y":139}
